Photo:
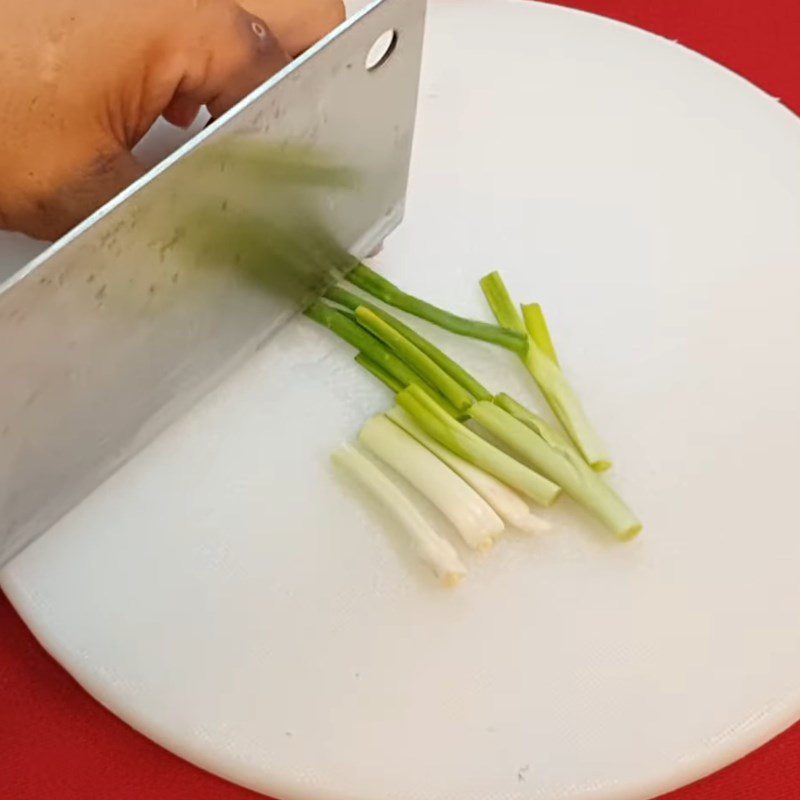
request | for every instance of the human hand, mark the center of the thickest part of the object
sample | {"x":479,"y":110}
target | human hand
{"x":81,"y":81}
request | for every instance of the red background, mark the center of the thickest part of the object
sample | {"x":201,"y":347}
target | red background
{"x":56,"y":743}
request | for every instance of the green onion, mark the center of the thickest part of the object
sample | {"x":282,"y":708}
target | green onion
{"x":473,"y":518}
{"x":372,"y":283}
{"x":431,"y":548}
{"x":380,"y":373}
{"x":572,"y":474}
{"x":352,"y":301}
{"x":415,"y":358}
{"x":537,"y":327}
{"x":551,"y":381}
{"x":347,"y":329}
{"x":551,"y":435}
{"x":373,"y":349}
{"x":345,"y":298}
{"x":465,"y":443}
{"x":503,"y":308}
{"x":510,"y":507}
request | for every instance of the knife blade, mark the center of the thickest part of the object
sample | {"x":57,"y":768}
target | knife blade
{"x":123,"y":324}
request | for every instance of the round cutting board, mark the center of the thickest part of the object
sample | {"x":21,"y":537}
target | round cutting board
{"x":229,"y":596}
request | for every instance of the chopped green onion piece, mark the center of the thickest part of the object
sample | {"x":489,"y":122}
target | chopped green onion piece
{"x":471,"y":447}
{"x":537,"y":327}
{"x":567,"y":407}
{"x":510,"y":507}
{"x":551,"y":435}
{"x":372,"y":283}
{"x":470,"y":514}
{"x":415,"y":358}
{"x":352,"y":301}
{"x":346,"y":328}
{"x":376,"y":351}
{"x":572,"y":474}
{"x":379,"y":372}
{"x":500,"y":302}
{"x":431,"y":548}
{"x":551,"y":381}
{"x":345,"y":298}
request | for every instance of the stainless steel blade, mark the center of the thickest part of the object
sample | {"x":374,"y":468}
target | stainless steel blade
{"x":115,"y":330}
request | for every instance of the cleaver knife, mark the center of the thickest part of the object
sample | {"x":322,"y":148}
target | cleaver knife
{"x":124,"y":323}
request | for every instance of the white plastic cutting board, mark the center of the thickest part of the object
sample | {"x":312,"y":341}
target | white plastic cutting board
{"x":231,"y":598}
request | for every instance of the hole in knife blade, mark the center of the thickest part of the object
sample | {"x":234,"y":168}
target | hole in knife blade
{"x":381,"y":49}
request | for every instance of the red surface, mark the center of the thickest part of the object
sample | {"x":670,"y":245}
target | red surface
{"x":56,"y":743}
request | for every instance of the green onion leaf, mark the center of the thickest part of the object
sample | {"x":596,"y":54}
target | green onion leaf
{"x":376,"y":351}
{"x":352,"y":301}
{"x":380,"y":373}
{"x":372,"y":283}
{"x":415,"y":358}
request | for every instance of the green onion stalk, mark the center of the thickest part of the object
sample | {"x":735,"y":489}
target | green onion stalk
{"x":537,"y":424}
{"x":352,"y":302}
{"x":384,"y":376}
{"x":562,"y":466}
{"x":460,"y":440}
{"x":415,"y":358}
{"x":541,"y":361}
{"x":374,"y":352}
{"x":377,"y":286}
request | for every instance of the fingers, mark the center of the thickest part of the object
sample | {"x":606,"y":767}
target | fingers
{"x":261,"y":56}
{"x":222,"y":53}
{"x":298,"y":23}
{"x":227,"y":49}
{"x":181,"y":111}
{"x":190,"y":53}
